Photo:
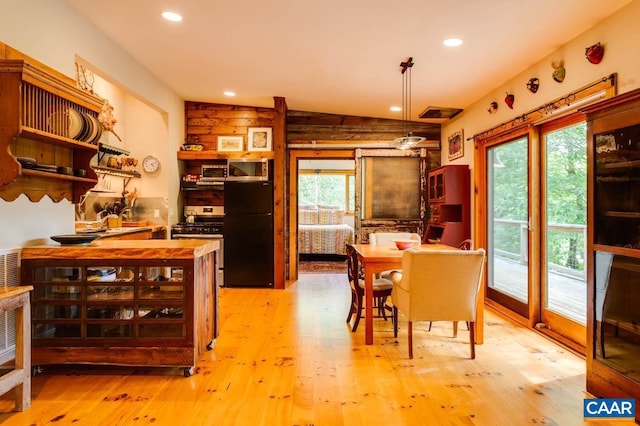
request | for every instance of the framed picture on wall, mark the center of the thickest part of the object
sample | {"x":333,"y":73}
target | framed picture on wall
{"x":230,"y":143}
{"x":259,"y":139}
{"x":456,"y":145}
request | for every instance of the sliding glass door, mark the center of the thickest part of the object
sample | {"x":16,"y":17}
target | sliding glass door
{"x":564,"y":218}
{"x":536,"y":198}
{"x":507,"y":224}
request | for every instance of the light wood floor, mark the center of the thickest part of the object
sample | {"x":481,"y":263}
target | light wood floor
{"x":287,"y":357}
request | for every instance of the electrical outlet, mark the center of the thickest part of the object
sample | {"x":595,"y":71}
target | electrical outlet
{"x":156,"y":213}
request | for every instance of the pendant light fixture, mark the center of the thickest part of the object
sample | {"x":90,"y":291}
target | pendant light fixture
{"x":409,"y":140}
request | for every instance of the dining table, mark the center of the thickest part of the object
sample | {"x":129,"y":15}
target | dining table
{"x":377,"y":258}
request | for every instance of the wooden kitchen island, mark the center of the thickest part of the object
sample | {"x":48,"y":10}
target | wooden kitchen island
{"x":122,"y":302}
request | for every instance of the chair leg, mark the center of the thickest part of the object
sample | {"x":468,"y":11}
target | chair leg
{"x":358,"y":313}
{"x":395,"y":321}
{"x":472,"y":338}
{"x":410,"y":331}
{"x":430,"y":322}
{"x":351,"y":306}
{"x":455,"y":329}
{"x":381,"y":304}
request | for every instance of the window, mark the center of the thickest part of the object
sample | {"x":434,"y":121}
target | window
{"x":327,"y":187}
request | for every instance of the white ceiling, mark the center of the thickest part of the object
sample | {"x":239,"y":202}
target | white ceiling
{"x":341,"y":56}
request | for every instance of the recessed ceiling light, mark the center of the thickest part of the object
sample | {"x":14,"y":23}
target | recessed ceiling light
{"x":229,"y":93}
{"x":395,"y":109}
{"x":452,"y":42}
{"x":171,"y":16}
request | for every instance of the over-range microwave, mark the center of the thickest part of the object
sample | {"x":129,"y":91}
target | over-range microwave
{"x":248,"y":169}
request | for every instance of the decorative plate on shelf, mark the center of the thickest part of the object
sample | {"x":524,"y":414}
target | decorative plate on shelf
{"x":192,"y":147}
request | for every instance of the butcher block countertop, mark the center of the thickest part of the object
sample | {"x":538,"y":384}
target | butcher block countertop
{"x":124,"y":249}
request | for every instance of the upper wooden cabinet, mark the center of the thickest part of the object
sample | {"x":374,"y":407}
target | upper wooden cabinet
{"x":46,"y":118}
{"x":449,"y":203}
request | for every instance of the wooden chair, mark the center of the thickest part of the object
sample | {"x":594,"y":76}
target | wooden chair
{"x":386,"y":239}
{"x":381,"y":290}
{"x":438,"y":285}
{"x":466,"y":245}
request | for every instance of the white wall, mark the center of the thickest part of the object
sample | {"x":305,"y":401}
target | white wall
{"x":52,"y":33}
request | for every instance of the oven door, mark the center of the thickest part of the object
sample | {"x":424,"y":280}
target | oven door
{"x":219,"y":253}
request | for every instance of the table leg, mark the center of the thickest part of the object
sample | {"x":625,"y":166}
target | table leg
{"x":368,"y":305}
{"x":23,"y":354}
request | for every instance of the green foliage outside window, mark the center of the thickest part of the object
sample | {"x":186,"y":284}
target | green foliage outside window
{"x":327,"y":188}
{"x":566,"y":194}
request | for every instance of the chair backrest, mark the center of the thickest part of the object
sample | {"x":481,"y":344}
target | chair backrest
{"x":440,"y":285}
{"x":353,"y":268}
{"x":466,"y":245}
{"x":433,"y":232}
{"x":386,"y":238}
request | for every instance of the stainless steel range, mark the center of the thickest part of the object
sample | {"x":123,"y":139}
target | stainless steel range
{"x":203,"y":222}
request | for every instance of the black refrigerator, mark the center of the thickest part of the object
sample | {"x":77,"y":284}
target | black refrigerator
{"x":248,"y":234}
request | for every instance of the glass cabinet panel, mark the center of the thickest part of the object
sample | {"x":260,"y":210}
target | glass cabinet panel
{"x":617,"y":188}
{"x":57,"y":292}
{"x":118,"y":312}
{"x":109,"y":331}
{"x":162,"y":292}
{"x":56,"y":330}
{"x":162,"y":331}
{"x":53,"y":311}
{"x":109,"y":292}
{"x":617,"y":312}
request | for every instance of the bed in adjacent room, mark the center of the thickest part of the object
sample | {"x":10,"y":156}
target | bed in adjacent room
{"x":321,"y":230}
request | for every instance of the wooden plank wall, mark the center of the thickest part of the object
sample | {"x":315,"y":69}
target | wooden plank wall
{"x":303,"y":127}
{"x":206,"y":121}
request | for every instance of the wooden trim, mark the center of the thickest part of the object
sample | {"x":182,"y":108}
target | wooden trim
{"x":279,"y":191}
{"x":535,"y":222}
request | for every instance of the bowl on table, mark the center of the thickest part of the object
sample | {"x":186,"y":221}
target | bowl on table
{"x":404,"y":244}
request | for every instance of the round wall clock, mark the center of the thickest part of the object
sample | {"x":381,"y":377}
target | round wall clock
{"x":150,"y":164}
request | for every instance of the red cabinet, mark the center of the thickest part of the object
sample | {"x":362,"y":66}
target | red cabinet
{"x":449,"y":209}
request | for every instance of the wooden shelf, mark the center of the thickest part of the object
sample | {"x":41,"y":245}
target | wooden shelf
{"x":623,"y":215}
{"x":29,"y":172}
{"x":34,"y":108}
{"x":116,"y":172}
{"x":217,"y":155}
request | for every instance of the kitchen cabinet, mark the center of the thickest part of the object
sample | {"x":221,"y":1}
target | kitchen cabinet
{"x":613,"y":247}
{"x":47,"y":118}
{"x":449,"y":204}
{"x":122,"y":302}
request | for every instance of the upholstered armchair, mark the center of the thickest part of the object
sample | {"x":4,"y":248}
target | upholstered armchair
{"x":438,"y":285}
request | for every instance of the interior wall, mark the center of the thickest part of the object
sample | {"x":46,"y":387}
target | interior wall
{"x":54,"y":34}
{"x":620,"y":35}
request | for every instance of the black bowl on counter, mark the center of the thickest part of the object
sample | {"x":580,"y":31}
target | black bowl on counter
{"x":75,"y":239}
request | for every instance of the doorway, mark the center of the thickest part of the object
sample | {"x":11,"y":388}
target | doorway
{"x":319,"y":169}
